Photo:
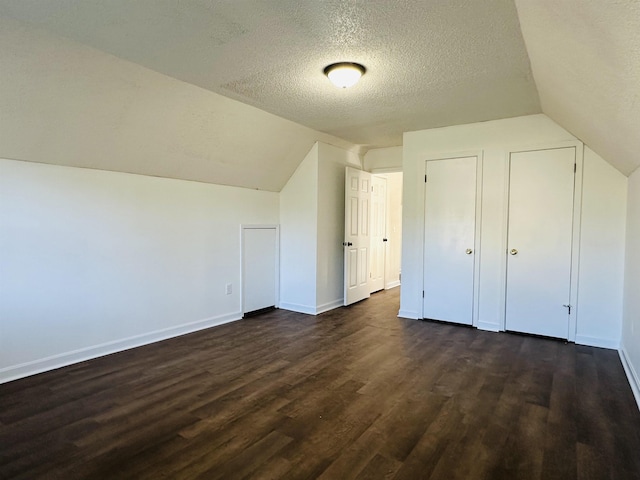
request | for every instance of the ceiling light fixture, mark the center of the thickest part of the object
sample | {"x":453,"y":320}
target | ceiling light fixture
{"x":344,"y":74}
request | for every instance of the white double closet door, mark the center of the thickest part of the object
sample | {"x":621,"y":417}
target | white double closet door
{"x":539,"y":241}
{"x":539,"y":245}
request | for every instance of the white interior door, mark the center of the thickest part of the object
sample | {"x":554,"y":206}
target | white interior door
{"x":259,"y":267}
{"x":356,"y":230}
{"x":378,"y":232}
{"x":539,"y":241}
{"x":449,"y":239}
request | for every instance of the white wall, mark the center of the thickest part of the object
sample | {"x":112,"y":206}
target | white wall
{"x":602,"y":249}
{"x":93,"y":262}
{"x":493,"y":140}
{"x":394,"y":230}
{"x":299,"y":236}
{"x":312,"y":231}
{"x":630,"y":347}
{"x":330,"y":261}
{"x":383,"y":159}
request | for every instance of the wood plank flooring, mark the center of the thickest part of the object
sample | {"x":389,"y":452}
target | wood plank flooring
{"x":355,"y":393}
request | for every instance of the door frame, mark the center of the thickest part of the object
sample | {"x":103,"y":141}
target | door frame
{"x":243,"y":229}
{"x":385,"y":171}
{"x":479,"y":154}
{"x":575,"y":236}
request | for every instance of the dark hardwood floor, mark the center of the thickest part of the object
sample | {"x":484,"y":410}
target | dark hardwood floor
{"x":353,"y":393}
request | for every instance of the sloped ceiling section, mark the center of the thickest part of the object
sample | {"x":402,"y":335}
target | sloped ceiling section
{"x":68,"y":104}
{"x":585,"y":56}
{"x":430,"y":63}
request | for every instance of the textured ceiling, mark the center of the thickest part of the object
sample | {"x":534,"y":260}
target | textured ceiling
{"x":585,"y":56}
{"x":430,"y":64}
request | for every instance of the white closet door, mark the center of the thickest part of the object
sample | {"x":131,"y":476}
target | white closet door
{"x":450,"y":222}
{"x":357,"y":233}
{"x":540,"y":241}
{"x":259,"y":268}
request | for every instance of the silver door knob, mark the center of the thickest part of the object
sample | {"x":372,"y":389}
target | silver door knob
{"x":513,"y":251}
{"x":468,"y":251}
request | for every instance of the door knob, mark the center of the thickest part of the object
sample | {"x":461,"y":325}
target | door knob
{"x":347,"y":244}
{"x":513,"y":251}
{"x":468,"y":251}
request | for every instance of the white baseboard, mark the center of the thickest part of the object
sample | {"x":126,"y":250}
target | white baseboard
{"x":294,"y":307}
{"x":597,"y":342}
{"x":22,"y":370}
{"x":409,"y":314}
{"x":330,"y":305}
{"x":309,"y":310}
{"x":489,"y":327}
{"x":392,"y":285}
{"x":632,"y":375}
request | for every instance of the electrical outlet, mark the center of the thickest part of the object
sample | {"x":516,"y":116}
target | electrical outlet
{"x":228,"y":289}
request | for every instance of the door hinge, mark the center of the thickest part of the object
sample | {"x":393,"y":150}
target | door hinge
{"x":422,"y":293}
{"x":425,"y":179}
{"x":575,"y":167}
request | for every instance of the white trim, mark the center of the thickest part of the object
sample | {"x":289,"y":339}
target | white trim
{"x":325,"y":307}
{"x":505,"y":241}
{"x":475,"y":316}
{"x":390,"y":285}
{"x":309,"y":310}
{"x":22,"y":370}
{"x":597,"y":342}
{"x":488,"y":327}
{"x":409,"y":314}
{"x":294,"y":307}
{"x":632,"y":375}
{"x":575,"y":243}
{"x":386,"y":170}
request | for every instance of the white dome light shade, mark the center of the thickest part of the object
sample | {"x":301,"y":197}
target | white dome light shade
{"x":344,"y":74}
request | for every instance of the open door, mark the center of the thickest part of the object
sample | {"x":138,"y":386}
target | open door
{"x":356,"y":232}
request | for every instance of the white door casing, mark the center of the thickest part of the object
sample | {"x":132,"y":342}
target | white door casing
{"x":357,"y":235}
{"x":539,"y":241}
{"x":260,"y":265}
{"x":378,"y":233}
{"x":450,"y":239}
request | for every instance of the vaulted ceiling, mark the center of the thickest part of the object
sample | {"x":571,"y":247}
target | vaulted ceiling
{"x":429,"y":63}
{"x":585,"y":57}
